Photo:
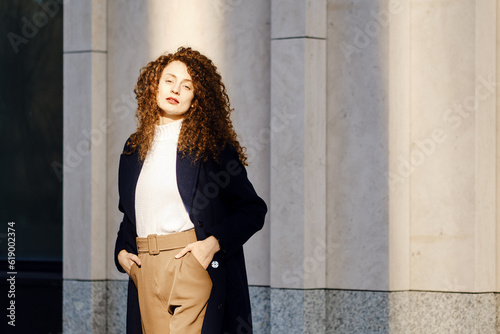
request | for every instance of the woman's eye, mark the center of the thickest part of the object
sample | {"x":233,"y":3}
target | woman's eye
{"x":187,"y":87}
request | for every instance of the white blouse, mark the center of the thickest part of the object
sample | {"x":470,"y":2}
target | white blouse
{"x":158,"y":205}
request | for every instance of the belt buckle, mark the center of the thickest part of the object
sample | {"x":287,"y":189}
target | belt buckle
{"x":153,"y":245}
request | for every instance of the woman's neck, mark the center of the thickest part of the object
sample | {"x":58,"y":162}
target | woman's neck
{"x":169,"y":119}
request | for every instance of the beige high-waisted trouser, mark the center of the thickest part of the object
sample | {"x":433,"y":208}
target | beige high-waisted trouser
{"x":173,"y":293}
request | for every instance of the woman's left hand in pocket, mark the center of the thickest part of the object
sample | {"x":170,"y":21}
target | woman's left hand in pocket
{"x":203,"y":250}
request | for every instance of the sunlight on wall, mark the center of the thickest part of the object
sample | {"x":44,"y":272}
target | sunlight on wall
{"x":199,"y":24}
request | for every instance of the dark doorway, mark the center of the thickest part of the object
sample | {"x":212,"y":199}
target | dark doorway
{"x":31,"y":137}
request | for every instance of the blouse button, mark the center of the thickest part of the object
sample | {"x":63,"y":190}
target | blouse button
{"x":215,"y":264}
{"x":200,"y":224}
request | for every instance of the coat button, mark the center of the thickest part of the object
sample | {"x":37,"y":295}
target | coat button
{"x":220,"y":307}
{"x":200,"y":224}
{"x":215,"y":264}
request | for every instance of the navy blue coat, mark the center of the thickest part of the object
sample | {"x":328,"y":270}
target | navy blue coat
{"x":220,"y":201}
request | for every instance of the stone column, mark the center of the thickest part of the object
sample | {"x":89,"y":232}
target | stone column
{"x":357,"y":166}
{"x":412,"y":167}
{"x":84,"y":167}
{"x":298,"y":155}
{"x":450,"y":168}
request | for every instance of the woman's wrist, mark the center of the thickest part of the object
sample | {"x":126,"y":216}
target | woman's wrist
{"x":214,"y":242}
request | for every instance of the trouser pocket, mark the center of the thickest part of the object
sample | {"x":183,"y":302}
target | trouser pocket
{"x":133,"y":273}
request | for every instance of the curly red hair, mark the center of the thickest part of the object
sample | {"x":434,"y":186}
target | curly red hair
{"x":206,"y":129}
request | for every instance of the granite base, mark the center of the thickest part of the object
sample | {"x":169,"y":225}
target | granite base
{"x":100,"y":306}
{"x":84,"y":306}
{"x":444,"y":312}
{"x":366,"y":312}
{"x":117,"y":306}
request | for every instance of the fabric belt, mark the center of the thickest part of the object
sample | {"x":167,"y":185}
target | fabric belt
{"x":155,"y":243}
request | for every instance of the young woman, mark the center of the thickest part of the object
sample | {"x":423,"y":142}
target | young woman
{"x":187,"y":202}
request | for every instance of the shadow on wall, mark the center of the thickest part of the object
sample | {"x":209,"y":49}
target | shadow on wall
{"x":357,"y":158}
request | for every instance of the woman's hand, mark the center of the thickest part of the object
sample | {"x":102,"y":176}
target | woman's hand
{"x":203,"y":250}
{"x":127,"y":259}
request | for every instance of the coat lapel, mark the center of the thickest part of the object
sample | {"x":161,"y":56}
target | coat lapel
{"x":129,"y":174}
{"x":187,"y":177}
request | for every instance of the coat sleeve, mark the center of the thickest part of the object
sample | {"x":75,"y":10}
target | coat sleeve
{"x":246,"y":209}
{"x":126,"y":233}
{"x":123,"y":239}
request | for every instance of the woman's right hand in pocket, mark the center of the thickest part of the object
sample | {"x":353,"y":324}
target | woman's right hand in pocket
{"x":127,"y":259}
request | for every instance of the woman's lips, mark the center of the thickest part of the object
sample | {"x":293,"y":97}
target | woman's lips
{"x":171,"y":100}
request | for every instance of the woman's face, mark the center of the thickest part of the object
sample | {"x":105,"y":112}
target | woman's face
{"x":175,"y":92}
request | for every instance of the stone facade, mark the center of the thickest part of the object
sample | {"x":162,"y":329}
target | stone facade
{"x":371,"y":130}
